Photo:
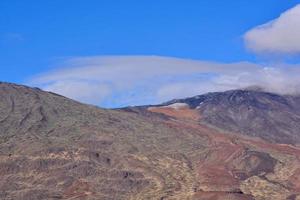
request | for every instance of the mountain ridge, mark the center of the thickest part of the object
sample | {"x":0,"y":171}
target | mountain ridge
{"x":266,"y":115}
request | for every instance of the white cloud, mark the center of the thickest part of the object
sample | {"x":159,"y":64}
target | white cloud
{"x":272,"y":79}
{"x":131,"y":80}
{"x":83,"y":91}
{"x":280,"y":36}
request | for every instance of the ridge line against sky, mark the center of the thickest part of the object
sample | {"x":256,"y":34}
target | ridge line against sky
{"x":271,"y":56}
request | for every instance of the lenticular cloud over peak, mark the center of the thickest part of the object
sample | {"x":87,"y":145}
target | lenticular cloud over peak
{"x":134,"y":80}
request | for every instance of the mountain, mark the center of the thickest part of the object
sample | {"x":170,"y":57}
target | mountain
{"x":209,"y":147}
{"x":251,"y":112}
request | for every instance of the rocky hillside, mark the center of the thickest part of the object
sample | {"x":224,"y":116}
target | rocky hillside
{"x":251,"y":112}
{"x":52,"y":147}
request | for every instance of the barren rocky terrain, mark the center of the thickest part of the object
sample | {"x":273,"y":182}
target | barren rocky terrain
{"x":235,"y":145}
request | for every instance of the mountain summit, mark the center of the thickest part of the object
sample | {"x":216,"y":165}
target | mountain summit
{"x":209,"y":147}
{"x":251,"y":112}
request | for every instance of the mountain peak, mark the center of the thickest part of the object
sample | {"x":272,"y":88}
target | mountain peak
{"x":256,"y":88}
{"x":250,"y":111}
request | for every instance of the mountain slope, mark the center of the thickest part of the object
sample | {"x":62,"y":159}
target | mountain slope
{"x":254,"y":113}
{"x":52,"y":147}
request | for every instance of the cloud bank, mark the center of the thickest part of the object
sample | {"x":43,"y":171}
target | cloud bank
{"x":280,"y":36}
{"x":114,"y":81}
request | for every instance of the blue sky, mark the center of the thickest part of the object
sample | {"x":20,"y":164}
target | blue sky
{"x":41,"y":37}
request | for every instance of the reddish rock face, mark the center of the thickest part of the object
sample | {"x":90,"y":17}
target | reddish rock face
{"x":54,"y":148}
{"x":179,"y":113}
{"x":233,"y":159}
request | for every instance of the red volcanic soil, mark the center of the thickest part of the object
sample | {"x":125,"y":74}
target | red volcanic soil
{"x":232,"y":158}
{"x":181,"y":113}
{"x":222,"y":196}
